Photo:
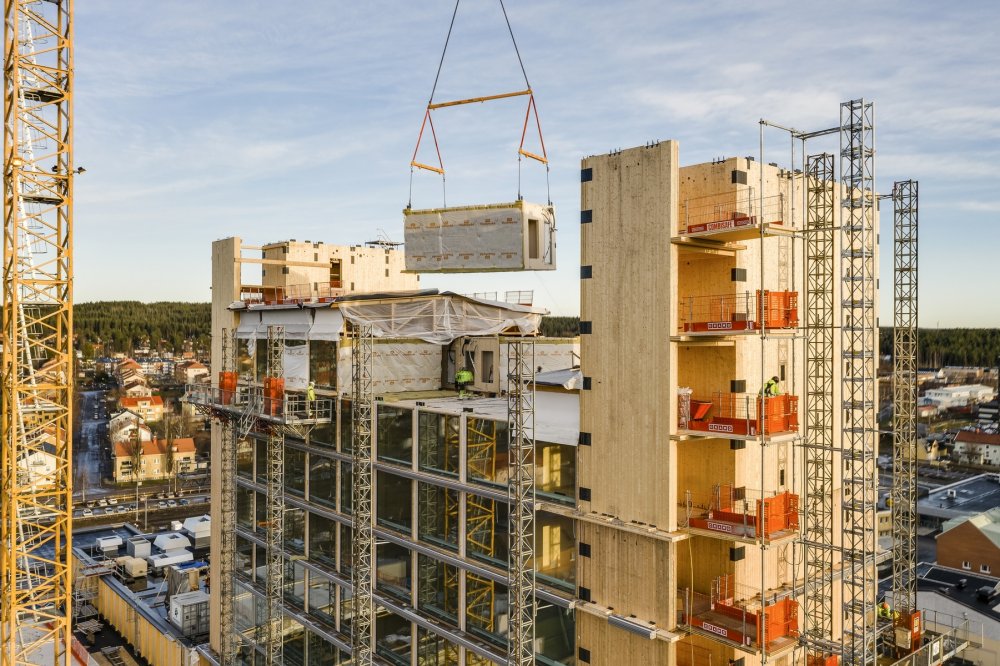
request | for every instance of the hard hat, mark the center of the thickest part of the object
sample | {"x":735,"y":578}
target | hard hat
{"x":312,"y":383}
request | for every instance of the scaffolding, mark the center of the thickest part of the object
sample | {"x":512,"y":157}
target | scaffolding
{"x":858,"y":331}
{"x":274,"y":389}
{"x":227,"y":510}
{"x":363,"y":546}
{"x":904,"y":398}
{"x":818,"y":446}
{"x":521,"y":495}
{"x":37,"y":333}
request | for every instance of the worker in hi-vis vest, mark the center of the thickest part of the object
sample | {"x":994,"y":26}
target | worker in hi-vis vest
{"x":463,"y":378}
{"x":771,"y":388}
{"x":310,"y":397}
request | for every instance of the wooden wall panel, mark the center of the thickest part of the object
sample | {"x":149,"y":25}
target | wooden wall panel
{"x":611,"y":646}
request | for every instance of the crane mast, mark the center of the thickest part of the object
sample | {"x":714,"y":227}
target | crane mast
{"x":37,"y":334}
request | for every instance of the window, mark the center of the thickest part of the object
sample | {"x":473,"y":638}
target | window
{"x":533,"y":239}
{"x":984,"y":568}
{"x":487,"y":367}
{"x":966,"y":565}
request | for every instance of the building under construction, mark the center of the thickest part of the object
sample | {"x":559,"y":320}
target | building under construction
{"x":691,"y":481}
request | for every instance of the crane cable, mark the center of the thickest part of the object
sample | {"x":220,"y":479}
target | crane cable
{"x":527,"y":84}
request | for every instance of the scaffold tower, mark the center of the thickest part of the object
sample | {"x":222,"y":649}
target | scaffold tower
{"x":904,"y":396}
{"x":818,"y":446}
{"x":858,"y":349}
{"x":521,"y":491}
{"x":37,"y":333}
{"x":363,"y":546}
{"x":227,"y":505}
{"x":273,"y":390}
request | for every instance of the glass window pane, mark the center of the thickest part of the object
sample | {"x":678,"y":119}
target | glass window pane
{"x":244,"y":556}
{"x":435,"y":650}
{"x":439,"y":442}
{"x":323,"y":363}
{"x":486,"y":444}
{"x":346,"y":491}
{"x":393,"y":575}
{"x":244,"y":458}
{"x":295,"y":530}
{"x":295,"y":471}
{"x":555,"y":549}
{"x":346,"y":426}
{"x":323,"y":598}
{"x":437,"y":588}
{"x":481,"y":608}
{"x":324,"y":434}
{"x":486,"y":529}
{"x":393,"y":637}
{"x":322,"y":540}
{"x":346,"y":552}
{"x":244,"y":508}
{"x":295,"y":584}
{"x":395,"y":434}
{"x":323,"y":480}
{"x":555,"y":471}
{"x":438,"y":515}
{"x":395,"y":502}
{"x":293,"y":650}
{"x":554,"y":632}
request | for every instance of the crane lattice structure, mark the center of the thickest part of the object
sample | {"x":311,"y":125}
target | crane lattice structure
{"x":858,"y":349}
{"x":521,"y":493}
{"x":363,"y":545}
{"x":37,"y":333}
{"x":818,"y":446}
{"x":904,"y":397}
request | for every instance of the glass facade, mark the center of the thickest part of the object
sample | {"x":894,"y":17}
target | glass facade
{"x":439,"y":525}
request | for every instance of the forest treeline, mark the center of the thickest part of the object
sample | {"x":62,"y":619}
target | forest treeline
{"x":121,"y":326}
{"x":124,"y":325}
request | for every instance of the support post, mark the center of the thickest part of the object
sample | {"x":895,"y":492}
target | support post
{"x":275,"y":503}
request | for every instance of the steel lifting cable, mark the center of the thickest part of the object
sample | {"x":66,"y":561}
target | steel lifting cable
{"x":531,"y":107}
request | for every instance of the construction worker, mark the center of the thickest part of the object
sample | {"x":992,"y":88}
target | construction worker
{"x":771,"y":388}
{"x":463,"y":378}
{"x":884,"y":610}
{"x":310,"y":398}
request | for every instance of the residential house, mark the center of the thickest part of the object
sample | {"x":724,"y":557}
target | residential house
{"x":132,"y":431}
{"x":977,"y":448}
{"x":150,"y":408}
{"x":122,"y":419}
{"x":190,"y":372}
{"x":971,"y":543}
{"x":155,"y":463}
{"x":136,"y":389}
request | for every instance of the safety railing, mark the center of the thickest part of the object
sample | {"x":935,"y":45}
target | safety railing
{"x":745,"y":312}
{"x":271,"y":403}
{"x":312,"y":292}
{"x":734,"y":209}
{"x":722,"y":615}
{"x":741,"y":414}
{"x":739,"y":511}
{"x":523,"y":297}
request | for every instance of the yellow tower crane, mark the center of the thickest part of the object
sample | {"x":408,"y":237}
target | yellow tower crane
{"x":37,"y":369}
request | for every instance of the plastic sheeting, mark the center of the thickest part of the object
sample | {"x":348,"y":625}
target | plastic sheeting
{"x":296,"y":366}
{"x":441,"y":319}
{"x":480,"y":238}
{"x":398,"y":366}
{"x":299,"y":324}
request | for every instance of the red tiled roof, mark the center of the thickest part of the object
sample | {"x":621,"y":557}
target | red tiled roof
{"x":156,"y":447}
{"x":972,"y":437}
{"x":128,"y":403}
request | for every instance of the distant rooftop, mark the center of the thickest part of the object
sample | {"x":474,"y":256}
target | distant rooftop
{"x":987,"y":522}
{"x":962,"y":499}
{"x":961,"y":587}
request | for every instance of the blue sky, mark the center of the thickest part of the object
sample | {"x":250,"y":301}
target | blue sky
{"x":270,"y":120}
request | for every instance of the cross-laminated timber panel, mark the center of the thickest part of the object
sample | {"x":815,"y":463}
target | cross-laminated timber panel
{"x":626,"y":360}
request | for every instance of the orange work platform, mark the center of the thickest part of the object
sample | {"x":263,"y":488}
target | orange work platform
{"x":739,"y":414}
{"x":822,"y":660}
{"x":731,"y":511}
{"x":774,"y":627}
{"x":745,"y":312}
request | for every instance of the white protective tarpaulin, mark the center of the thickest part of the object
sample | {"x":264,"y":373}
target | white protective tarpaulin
{"x":397,"y":366}
{"x":249,"y":323}
{"x":441,"y":318}
{"x":296,"y":322}
{"x":295,"y":362}
{"x":327,"y":324}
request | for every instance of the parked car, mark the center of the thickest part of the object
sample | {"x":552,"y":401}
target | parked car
{"x":185,"y":502}
{"x":87,"y":513}
{"x":112,"y":500}
{"x":171,"y":503}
